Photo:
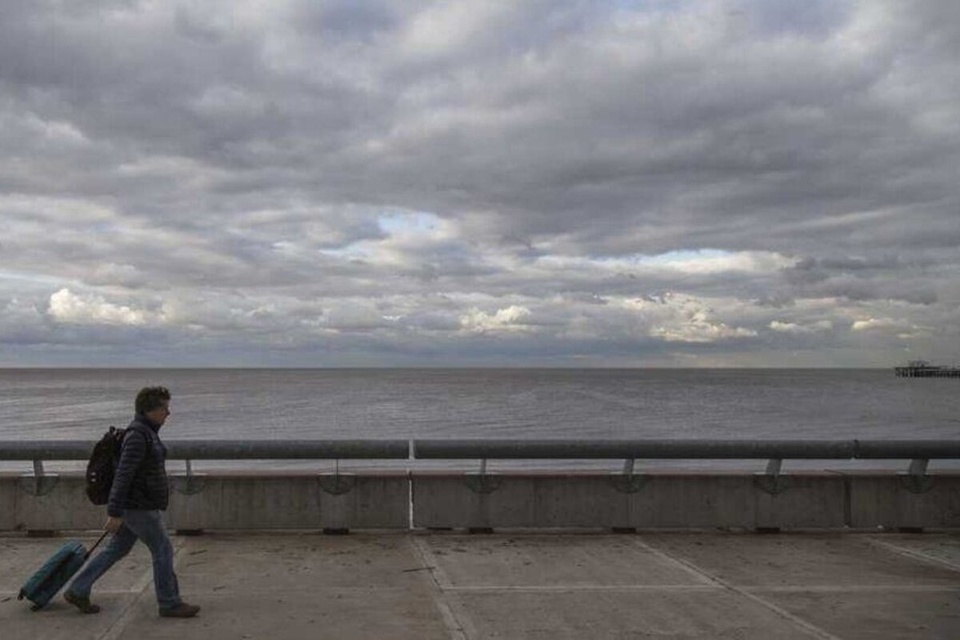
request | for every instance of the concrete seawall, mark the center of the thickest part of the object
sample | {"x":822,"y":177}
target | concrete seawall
{"x":533,"y":500}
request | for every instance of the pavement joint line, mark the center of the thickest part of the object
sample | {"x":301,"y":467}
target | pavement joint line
{"x":457,"y":627}
{"x":432,"y":563}
{"x":130,"y":611}
{"x":858,"y":588}
{"x":695,"y":572}
{"x":808,"y":627}
{"x":626,"y":588}
{"x":914,"y":554}
{"x":112,"y":592}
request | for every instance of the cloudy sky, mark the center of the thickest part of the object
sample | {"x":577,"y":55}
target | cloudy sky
{"x":686,"y":183}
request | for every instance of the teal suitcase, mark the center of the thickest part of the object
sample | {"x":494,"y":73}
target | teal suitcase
{"x":55,"y":572}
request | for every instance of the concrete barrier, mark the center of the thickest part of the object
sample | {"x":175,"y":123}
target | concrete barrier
{"x":222,"y":501}
{"x":8,"y":504}
{"x":674,"y":500}
{"x":656,"y":500}
{"x":686,"y":500}
{"x":899,"y":501}
{"x":294,"y":501}
{"x":49,"y":503}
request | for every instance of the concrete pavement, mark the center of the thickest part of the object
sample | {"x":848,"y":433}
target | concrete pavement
{"x":453,"y":586}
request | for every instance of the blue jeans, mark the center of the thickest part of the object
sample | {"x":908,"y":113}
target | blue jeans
{"x":148,"y":527}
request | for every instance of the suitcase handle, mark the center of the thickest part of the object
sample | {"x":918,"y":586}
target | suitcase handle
{"x":93,"y":548}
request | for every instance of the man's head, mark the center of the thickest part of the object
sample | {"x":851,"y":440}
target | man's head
{"x":154,"y":403}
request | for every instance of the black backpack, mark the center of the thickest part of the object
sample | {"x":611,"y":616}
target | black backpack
{"x":103,"y":464}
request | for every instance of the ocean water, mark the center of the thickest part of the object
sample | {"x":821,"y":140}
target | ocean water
{"x":65,"y":404}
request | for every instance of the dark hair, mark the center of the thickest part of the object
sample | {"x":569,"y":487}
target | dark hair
{"x":151,"y":398}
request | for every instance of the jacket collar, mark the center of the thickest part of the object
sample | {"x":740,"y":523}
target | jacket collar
{"x":147,"y":422}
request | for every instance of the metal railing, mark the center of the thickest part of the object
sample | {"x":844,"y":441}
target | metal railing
{"x":221,"y":449}
{"x":920,"y":452}
{"x":634,"y":449}
{"x":516,"y":449}
{"x":189,"y":450}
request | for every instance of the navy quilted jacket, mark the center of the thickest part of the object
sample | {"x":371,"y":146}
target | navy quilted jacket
{"x":141,"y":478}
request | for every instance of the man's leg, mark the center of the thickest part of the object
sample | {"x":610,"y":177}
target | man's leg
{"x":79,"y":591}
{"x":150,"y":528}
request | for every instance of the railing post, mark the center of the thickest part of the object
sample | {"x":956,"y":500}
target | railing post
{"x":481,"y":482}
{"x":771,"y":481}
{"x":40,"y":484}
{"x":628,"y":481}
{"x":918,"y":467}
{"x":916,"y":480}
{"x":773,"y":467}
{"x":190,"y":484}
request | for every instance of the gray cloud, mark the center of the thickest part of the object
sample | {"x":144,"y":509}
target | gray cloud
{"x":696,"y":183}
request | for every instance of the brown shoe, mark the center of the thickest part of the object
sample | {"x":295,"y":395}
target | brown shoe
{"x":83,"y":604}
{"x":182,"y":610}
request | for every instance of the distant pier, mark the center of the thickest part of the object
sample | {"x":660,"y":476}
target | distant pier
{"x":923,"y":369}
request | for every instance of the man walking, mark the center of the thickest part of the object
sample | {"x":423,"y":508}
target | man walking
{"x":138,"y":497}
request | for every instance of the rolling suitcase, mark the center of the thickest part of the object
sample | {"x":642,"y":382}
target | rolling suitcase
{"x":56,"y":572}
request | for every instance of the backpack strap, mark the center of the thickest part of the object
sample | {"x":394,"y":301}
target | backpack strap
{"x":147,"y":432}
{"x":149,"y":435}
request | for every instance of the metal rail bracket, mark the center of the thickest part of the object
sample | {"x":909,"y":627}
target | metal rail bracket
{"x":337,"y":484}
{"x":628,"y":484}
{"x":771,"y":481}
{"x":189,"y":484}
{"x":39,"y":484}
{"x":916,"y":479}
{"x":628,"y":481}
{"x":482,"y":482}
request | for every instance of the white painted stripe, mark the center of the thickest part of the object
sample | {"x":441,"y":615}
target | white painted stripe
{"x":859,"y":588}
{"x":431,"y":562}
{"x":693,"y":572}
{"x":914,"y":554}
{"x":105,"y":592}
{"x":130,"y":611}
{"x":818,"y":588}
{"x":455,"y":626}
{"x":802,"y":624}
{"x":627,"y":588}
